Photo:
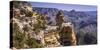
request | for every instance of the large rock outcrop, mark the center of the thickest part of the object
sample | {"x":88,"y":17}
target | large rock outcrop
{"x":67,"y":35}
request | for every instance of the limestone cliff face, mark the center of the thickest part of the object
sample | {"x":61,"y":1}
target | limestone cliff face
{"x":27,"y":26}
{"x":66,"y":30}
{"x":64,"y":37}
{"x":31,"y":31}
{"x":67,"y":34}
{"x":51,"y":39}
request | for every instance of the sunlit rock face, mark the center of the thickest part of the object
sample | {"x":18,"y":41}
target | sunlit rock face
{"x":26,"y":24}
{"x":67,"y":35}
{"x":64,"y":37}
{"x":51,"y":39}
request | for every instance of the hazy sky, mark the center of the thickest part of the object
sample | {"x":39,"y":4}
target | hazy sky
{"x":67,"y":7}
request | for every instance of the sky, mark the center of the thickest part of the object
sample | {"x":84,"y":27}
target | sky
{"x":67,"y":7}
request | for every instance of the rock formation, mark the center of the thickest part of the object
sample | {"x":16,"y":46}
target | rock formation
{"x":67,"y":34}
{"x":59,"y":18}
